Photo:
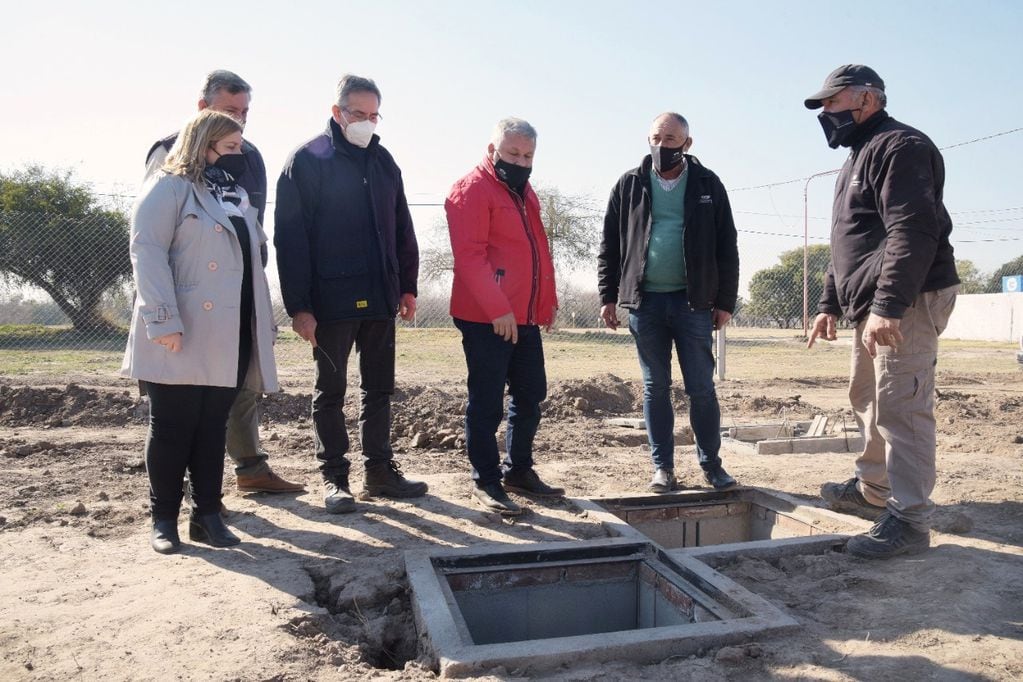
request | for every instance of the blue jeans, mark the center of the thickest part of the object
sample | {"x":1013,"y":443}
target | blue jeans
{"x":494,"y":363}
{"x":660,"y":321}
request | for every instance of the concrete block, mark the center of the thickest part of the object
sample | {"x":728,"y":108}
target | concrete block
{"x":808,"y":445}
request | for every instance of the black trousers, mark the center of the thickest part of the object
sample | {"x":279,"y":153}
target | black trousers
{"x":374,"y":342}
{"x":187,"y":431}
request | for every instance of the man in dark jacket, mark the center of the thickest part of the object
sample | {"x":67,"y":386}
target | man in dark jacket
{"x":669,"y":255}
{"x":893,"y":275}
{"x":226,"y":92}
{"x":348,"y":261}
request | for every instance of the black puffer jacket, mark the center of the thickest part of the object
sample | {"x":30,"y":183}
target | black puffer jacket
{"x":890,"y":230}
{"x":710,"y":240}
{"x":346,"y":248}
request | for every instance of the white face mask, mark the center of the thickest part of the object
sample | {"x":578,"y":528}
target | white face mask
{"x":359,"y":133}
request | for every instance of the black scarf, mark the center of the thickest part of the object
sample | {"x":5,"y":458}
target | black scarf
{"x":221,"y":184}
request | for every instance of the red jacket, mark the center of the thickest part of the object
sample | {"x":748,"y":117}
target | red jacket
{"x":502,"y":259}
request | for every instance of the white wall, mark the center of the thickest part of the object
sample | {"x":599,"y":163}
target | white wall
{"x":987,"y":317}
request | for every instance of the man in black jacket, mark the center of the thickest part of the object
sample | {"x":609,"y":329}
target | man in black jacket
{"x":348,"y":261}
{"x":669,"y":255}
{"x":893,"y":275}
{"x":226,"y":92}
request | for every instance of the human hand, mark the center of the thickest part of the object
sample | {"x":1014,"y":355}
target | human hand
{"x":609,"y":315}
{"x":721,"y":318}
{"x":171,"y":342}
{"x":881,"y":331}
{"x":823,"y":327}
{"x":407,"y":307}
{"x":506,"y":328}
{"x":304,"y":325}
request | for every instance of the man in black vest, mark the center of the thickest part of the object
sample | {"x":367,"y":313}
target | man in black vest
{"x":227,"y":92}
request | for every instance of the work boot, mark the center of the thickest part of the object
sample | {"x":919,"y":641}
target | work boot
{"x":846,"y":497}
{"x":527,"y":482}
{"x":164,"y":538}
{"x":210,"y":529}
{"x":719,"y":478}
{"x":495,"y":499}
{"x":267,"y":482}
{"x":337,"y":497}
{"x":890,"y":536}
{"x":663,"y":481}
{"x":386,"y":480}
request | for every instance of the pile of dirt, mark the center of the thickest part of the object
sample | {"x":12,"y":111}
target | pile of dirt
{"x":72,"y":405}
{"x":603,"y":394}
{"x":762,"y":404}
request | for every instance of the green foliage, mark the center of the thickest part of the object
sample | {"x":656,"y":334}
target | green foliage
{"x":973,"y":280}
{"x":1013,"y":267}
{"x":54,"y":235}
{"x":776,"y":293}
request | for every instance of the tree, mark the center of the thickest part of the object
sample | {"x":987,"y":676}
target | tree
{"x":55,"y":236}
{"x":777,"y":292}
{"x":1013,"y":267}
{"x":571,"y":224}
{"x":972,"y":279}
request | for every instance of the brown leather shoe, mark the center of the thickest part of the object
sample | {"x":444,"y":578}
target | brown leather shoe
{"x":267,"y":482}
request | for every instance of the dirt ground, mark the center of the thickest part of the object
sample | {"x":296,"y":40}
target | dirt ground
{"x":310,"y":596}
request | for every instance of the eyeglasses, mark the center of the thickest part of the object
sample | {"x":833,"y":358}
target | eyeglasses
{"x":359,"y":116}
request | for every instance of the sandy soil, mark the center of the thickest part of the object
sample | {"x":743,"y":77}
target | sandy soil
{"x":313,"y":596}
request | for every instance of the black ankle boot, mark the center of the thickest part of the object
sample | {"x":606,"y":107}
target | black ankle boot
{"x":164,"y":538}
{"x":210,"y":529}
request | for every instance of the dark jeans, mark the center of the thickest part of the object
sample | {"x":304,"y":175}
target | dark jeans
{"x":494,"y":363}
{"x":374,"y":343}
{"x":187,"y":431}
{"x":660,"y":321}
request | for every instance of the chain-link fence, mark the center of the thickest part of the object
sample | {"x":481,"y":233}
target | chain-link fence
{"x":65,"y":285}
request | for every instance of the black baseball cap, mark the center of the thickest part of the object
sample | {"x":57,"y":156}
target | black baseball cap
{"x":841,"y":78}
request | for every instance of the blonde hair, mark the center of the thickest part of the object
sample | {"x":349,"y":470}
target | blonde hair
{"x":188,"y":155}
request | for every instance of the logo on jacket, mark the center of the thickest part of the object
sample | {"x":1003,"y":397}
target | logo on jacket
{"x":855,"y":182}
{"x":705,"y":199}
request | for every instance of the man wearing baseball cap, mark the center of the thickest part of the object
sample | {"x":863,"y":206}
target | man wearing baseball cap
{"x":892,"y":274}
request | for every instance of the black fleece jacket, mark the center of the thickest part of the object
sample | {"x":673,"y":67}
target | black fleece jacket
{"x":890,"y":230}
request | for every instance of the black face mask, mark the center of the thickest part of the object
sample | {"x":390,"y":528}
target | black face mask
{"x":234,"y":164}
{"x":838,"y":126}
{"x":512,"y":175}
{"x":667,"y":158}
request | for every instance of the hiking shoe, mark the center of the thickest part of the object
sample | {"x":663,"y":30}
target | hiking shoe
{"x":719,"y":478}
{"x":337,"y":498}
{"x":495,"y":499}
{"x":663,"y":481}
{"x":387,"y":480}
{"x":846,"y":497}
{"x":527,"y":482}
{"x":890,"y":536}
{"x":267,"y":482}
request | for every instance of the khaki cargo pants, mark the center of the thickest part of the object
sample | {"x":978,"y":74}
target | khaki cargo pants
{"x":893,"y":398}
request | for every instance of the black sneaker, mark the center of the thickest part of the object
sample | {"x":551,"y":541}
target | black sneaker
{"x":337,"y":497}
{"x":387,"y":480}
{"x":890,"y":536}
{"x":527,"y":482}
{"x":495,"y":499}
{"x":846,"y":497}
{"x":719,"y":478}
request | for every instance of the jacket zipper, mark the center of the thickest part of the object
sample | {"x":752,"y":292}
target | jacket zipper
{"x":531,"y":310}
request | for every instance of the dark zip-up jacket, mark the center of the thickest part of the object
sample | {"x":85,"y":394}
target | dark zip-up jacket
{"x":710,"y":241}
{"x":890,"y":230}
{"x":346,"y":247}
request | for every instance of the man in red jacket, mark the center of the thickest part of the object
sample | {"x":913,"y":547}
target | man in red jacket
{"x":503,"y":292}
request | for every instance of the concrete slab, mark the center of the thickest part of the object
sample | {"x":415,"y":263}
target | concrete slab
{"x":808,"y":445}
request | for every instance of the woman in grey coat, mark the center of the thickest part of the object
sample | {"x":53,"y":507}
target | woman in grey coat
{"x":202,"y":325}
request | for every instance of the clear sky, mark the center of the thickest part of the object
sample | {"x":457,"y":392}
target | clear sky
{"x":92,"y":85}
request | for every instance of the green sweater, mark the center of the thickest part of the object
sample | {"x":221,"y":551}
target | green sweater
{"x":665,"y":256}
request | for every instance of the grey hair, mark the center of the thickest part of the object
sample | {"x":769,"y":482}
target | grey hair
{"x":222,"y":79}
{"x":350,"y":83}
{"x":512,"y":126}
{"x":678,"y":117}
{"x":882,"y":99}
